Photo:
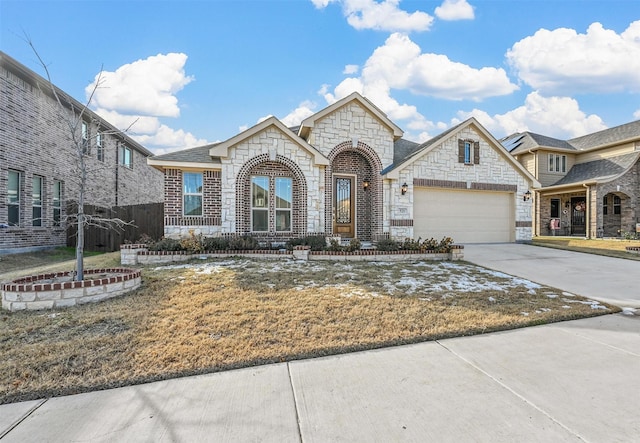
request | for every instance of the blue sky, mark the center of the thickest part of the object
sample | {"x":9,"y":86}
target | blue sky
{"x":193,"y":72}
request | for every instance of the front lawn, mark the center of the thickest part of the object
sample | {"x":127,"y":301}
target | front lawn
{"x":221,"y":314}
{"x":607,"y":247}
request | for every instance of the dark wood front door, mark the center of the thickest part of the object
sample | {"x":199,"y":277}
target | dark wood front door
{"x":344,"y":223}
{"x":578,"y":216}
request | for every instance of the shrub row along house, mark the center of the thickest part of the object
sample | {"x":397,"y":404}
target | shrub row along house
{"x":590,"y":184}
{"x":38,"y":161}
{"x":346,"y":171}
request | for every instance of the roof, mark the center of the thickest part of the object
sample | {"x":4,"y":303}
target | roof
{"x":617,"y":134}
{"x":40,"y":82}
{"x":199,"y":154}
{"x":525,"y":141}
{"x":602,"y":170}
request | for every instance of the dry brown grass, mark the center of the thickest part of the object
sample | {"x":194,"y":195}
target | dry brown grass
{"x":218,"y":315}
{"x":607,"y":247}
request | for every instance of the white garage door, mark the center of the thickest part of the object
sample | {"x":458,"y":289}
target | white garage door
{"x":465,"y":216}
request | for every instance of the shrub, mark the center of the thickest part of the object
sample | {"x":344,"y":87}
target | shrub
{"x":354,"y":245}
{"x":192,"y":244}
{"x":334,"y":245}
{"x":215,"y":243}
{"x":387,"y":244}
{"x":410,"y":244}
{"x":166,"y":244}
{"x":315,"y":242}
{"x":243,"y":243}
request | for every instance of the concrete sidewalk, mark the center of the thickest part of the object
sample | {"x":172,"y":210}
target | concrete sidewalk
{"x":607,"y":279}
{"x":570,"y":381}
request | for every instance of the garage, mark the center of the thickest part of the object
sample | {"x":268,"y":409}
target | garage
{"x":466,"y":216}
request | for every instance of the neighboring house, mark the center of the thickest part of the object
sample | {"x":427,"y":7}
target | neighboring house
{"x":346,"y":171}
{"x":590,"y":184}
{"x":38,"y":172}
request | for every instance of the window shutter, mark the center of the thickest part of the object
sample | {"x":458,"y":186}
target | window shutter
{"x":460,"y":151}
{"x":476,"y":153}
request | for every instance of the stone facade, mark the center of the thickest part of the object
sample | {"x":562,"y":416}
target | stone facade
{"x":35,"y":142}
{"x":350,"y":139}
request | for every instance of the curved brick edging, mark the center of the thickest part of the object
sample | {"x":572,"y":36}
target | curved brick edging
{"x":27,"y":293}
{"x":633,"y":249}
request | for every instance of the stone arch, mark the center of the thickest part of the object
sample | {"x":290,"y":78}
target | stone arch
{"x":369,"y":202}
{"x":273,"y":167}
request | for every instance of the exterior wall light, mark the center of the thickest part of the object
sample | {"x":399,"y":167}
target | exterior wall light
{"x":404,"y":188}
{"x":365,"y":184}
{"x":527,"y":196}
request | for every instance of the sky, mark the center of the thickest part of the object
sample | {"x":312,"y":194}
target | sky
{"x":188,"y":73}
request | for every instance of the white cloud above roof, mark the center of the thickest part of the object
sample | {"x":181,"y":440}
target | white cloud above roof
{"x":146,"y":87}
{"x":455,"y":10}
{"x":380,"y":16}
{"x":559,"y":117}
{"x":564,"y":61}
{"x":136,"y":95}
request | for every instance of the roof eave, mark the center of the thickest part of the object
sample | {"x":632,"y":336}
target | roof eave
{"x":170,"y":164}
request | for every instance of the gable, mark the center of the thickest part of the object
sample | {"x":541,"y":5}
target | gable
{"x":484,"y":153}
{"x":222,"y":149}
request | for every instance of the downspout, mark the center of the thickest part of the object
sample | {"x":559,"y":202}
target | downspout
{"x":117,"y":172}
{"x":588,"y":210}
{"x":535,"y":206}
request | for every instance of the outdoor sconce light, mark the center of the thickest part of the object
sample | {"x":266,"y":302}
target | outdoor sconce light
{"x":404,"y":188}
{"x":527,"y":196}
{"x":365,"y":184}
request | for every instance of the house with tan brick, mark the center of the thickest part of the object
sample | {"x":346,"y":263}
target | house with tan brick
{"x":347,"y":171}
{"x":590,"y":185}
{"x":38,"y":162}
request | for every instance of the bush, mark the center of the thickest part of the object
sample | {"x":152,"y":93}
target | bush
{"x":243,"y":243}
{"x":192,"y":244}
{"x":215,"y":243}
{"x":166,"y":244}
{"x":387,"y":244}
{"x":315,"y":242}
{"x":354,"y":245}
{"x":334,"y":245}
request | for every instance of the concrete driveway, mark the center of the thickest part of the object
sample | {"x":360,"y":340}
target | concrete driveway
{"x":610,"y":280}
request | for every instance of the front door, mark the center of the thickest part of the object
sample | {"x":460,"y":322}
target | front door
{"x":578,"y":216}
{"x":344,"y":223}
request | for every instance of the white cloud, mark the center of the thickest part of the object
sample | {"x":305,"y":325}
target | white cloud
{"x":135,"y":95}
{"x":351,"y":69}
{"x":295,"y":117}
{"x":146,"y":87}
{"x":563,"y":61}
{"x":455,"y":10}
{"x":636,"y":114}
{"x":559,"y":117}
{"x":400,"y":64}
{"x":380,"y":16}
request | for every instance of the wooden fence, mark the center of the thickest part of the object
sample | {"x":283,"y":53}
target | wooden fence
{"x":145,"y":219}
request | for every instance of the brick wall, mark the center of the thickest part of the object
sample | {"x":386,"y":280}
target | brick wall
{"x":35,"y":140}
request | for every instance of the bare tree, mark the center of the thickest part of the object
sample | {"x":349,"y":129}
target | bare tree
{"x":73,"y":125}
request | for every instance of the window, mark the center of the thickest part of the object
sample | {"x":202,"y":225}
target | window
{"x":283,"y":203}
{"x":124,"y":156}
{"x":605,"y":205}
{"x":192,"y":194}
{"x":468,"y":152}
{"x":57,"y":202}
{"x":36,"y":201}
{"x":557,"y":163}
{"x":13,"y":198}
{"x":259,"y":204}
{"x":99,"y":146}
{"x":555,"y":208}
{"x":616,"y":205}
{"x":85,"y":137}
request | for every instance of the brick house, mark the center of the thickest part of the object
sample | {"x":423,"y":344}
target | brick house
{"x":590,"y":184}
{"x":346,"y":171}
{"x":38,"y":173}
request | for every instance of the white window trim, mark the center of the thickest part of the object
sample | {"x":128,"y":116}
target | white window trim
{"x":121,"y":157}
{"x":18,"y":201}
{"x":37,"y":203}
{"x":260,"y":208}
{"x":557,"y":163}
{"x":191,"y":194}
{"x":275,"y":204}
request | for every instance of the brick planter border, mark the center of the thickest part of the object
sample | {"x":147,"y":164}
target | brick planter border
{"x":633,"y":249}
{"x":27,"y":294}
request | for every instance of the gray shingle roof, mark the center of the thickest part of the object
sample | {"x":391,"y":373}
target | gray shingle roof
{"x":611,"y":135}
{"x":199,"y":154}
{"x":599,"y":170}
{"x":523,"y":141}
